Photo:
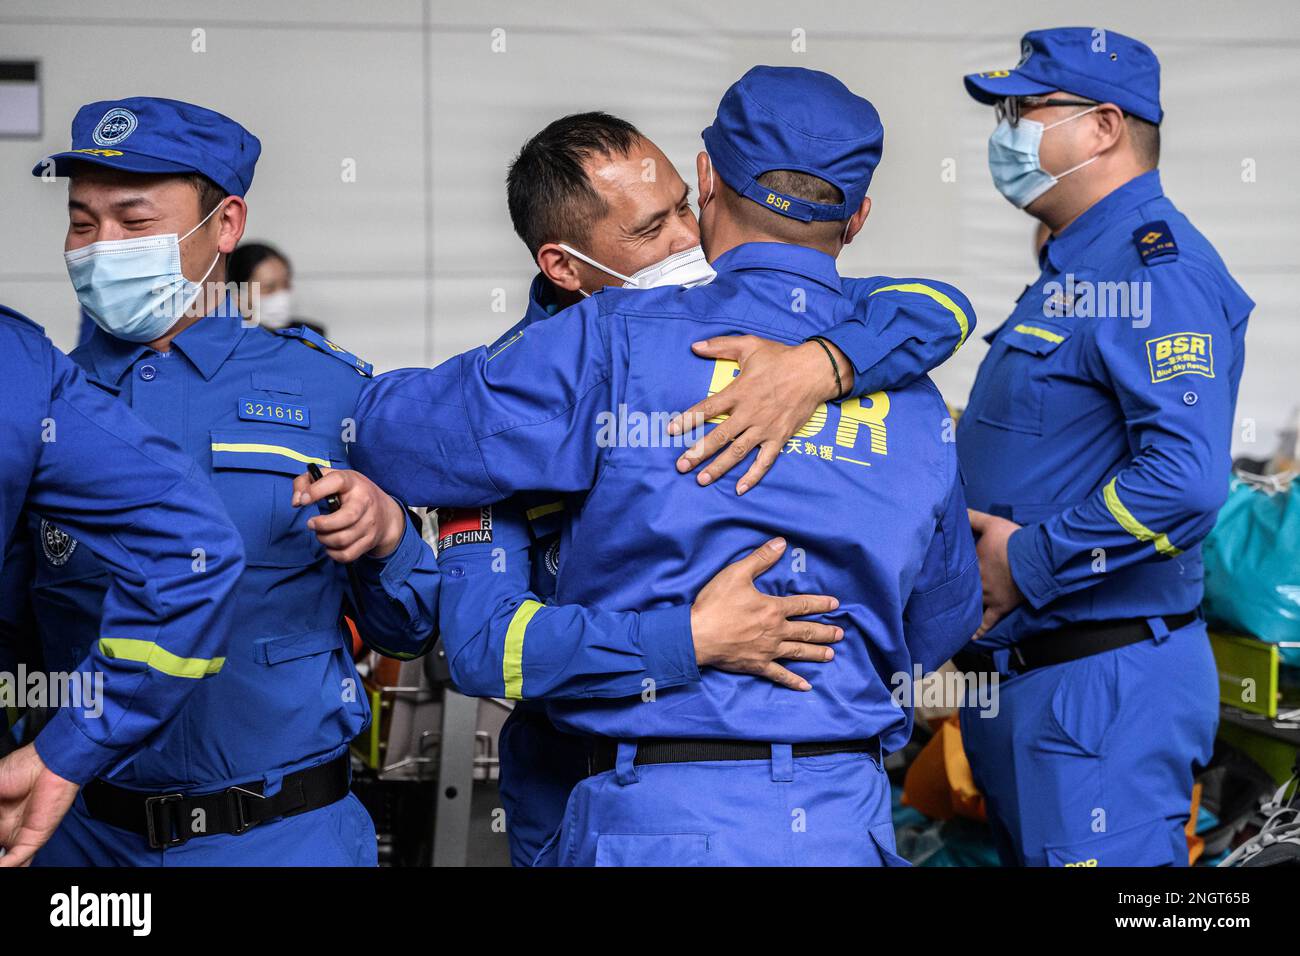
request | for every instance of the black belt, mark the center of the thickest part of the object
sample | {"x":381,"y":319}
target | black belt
{"x":657,"y":750}
{"x":1069,"y":643}
{"x":169,"y":819}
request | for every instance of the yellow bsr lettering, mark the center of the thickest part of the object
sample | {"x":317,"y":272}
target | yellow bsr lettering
{"x":1180,"y":345}
{"x":1092,"y":862}
{"x":776,"y":201}
{"x":853,"y":415}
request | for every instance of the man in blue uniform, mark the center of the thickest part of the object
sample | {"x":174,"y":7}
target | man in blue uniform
{"x":75,"y":456}
{"x":1096,"y":451}
{"x":254,"y":768}
{"x":729,"y":769}
{"x":589,"y":216}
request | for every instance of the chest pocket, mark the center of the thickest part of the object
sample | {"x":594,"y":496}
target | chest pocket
{"x":253,"y":470}
{"x":1023,"y":357}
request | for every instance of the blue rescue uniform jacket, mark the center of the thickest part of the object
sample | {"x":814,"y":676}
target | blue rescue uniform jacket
{"x":250,"y":408}
{"x":577,"y":404}
{"x":499,"y":562}
{"x":1101,"y":418}
{"x":91,"y":484}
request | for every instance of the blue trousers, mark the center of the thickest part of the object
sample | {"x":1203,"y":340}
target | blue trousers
{"x":1091,"y":762}
{"x":341,"y":834}
{"x":539,"y":767}
{"x":830,"y":810}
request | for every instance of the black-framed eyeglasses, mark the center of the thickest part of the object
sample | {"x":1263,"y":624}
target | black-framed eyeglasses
{"x":1010,"y":108}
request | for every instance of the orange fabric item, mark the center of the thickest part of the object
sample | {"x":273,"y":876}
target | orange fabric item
{"x":939,"y":783}
{"x":1195,"y":844}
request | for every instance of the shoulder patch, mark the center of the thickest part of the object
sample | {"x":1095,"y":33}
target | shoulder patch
{"x":321,"y":344}
{"x":1182,"y":353}
{"x":1155,"y":243}
{"x":464,"y":526}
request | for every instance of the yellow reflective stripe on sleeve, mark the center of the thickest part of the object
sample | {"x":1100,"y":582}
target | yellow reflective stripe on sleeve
{"x":1041,"y":333}
{"x":159,"y":658}
{"x":963,"y":323}
{"x":512,"y":663}
{"x":258,"y":449}
{"x":1134,"y":527}
{"x":542,"y":511}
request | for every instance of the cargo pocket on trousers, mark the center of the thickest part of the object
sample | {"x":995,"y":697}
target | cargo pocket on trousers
{"x":1085,"y":707}
{"x":882,"y":835}
{"x":652,"y":849}
{"x":1159,"y":843}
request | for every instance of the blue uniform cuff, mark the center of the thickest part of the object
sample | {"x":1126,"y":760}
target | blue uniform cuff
{"x":67,"y":750}
{"x":668,"y":645}
{"x":392,"y":572}
{"x":862,"y":348}
{"x":1027,"y":561}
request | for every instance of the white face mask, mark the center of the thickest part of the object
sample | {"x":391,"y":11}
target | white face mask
{"x":1017,"y":171}
{"x":134,"y":288}
{"x":686,"y":268}
{"x":275,"y":308}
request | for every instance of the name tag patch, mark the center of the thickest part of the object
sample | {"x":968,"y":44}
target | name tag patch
{"x":1183,"y":353}
{"x":280,"y":413}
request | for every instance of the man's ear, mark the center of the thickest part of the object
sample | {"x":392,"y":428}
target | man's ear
{"x":704,"y":179}
{"x":1110,"y":126}
{"x":857,"y":220}
{"x":559,"y":268}
{"x":233,"y":217}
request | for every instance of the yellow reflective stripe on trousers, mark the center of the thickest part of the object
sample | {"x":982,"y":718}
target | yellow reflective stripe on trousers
{"x":1041,"y":333}
{"x":963,"y":323}
{"x":259,"y":449}
{"x":512,"y":663}
{"x":1134,"y":527}
{"x":159,"y":658}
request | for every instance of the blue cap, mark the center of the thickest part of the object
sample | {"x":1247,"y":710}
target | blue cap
{"x":146,"y":134}
{"x":783,"y":117}
{"x":1093,"y":63}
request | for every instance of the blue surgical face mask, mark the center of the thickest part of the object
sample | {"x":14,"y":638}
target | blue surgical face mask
{"x":1017,"y":171}
{"x":134,"y":288}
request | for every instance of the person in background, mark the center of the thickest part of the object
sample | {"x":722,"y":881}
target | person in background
{"x":262,"y":266}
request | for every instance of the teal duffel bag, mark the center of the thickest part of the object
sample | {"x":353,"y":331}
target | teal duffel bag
{"x":1252,"y":563}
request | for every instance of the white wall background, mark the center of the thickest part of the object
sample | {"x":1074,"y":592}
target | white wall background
{"x":403,"y":264}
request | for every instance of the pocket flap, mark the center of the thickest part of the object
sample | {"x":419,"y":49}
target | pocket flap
{"x":259,"y":449}
{"x":1036,"y":337}
{"x":277,"y":650}
{"x":1158,"y":843}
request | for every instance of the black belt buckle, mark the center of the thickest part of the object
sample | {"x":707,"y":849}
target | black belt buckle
{"x":244,"y":824}
{"x":161,"y":802}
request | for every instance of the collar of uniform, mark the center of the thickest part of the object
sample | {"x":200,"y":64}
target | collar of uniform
{"x":781,"y":257}
{"x":111,"y":356}
{"x":541,"y":300}
{"x":1063,"y":250}
{"x":208,"y":342}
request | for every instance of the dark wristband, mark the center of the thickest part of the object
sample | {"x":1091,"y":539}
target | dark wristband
{"x":839,"y":384}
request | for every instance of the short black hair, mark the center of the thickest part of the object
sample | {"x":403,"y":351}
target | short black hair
{"x":210,"y":194}
{"x":800,"y":186}
{"x":1146,"y":140}
{"x":551,"y":199}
